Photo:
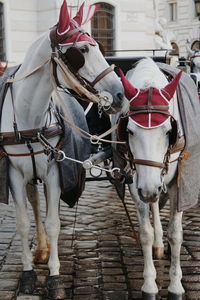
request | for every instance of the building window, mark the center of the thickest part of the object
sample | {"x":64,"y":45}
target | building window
{"x":102,"y":27}
{"x":2,"y":34}
{"x":172,"y":11}
{"x":175,"y":49}
{"x":196,"y":45}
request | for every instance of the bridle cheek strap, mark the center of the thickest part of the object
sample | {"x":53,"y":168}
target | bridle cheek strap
{"x":102,"y":75}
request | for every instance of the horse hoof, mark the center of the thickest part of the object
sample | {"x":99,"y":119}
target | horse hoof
{"x":172,"y":296}
{"x":147,"y":296}
{"x":55,"y":288}
{"x":41,"y":256}
{"x":27,"y":282}
{"x":158,"y":252}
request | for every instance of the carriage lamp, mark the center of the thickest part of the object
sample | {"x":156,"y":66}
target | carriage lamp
{"x":197,"y":7}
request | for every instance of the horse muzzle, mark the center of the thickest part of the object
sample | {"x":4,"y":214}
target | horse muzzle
{"x":149,"y":197}
{"x":116,"y":105}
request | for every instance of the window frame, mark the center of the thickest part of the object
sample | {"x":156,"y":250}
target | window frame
{"x":106,"y":34}
{"x":173,"y":11}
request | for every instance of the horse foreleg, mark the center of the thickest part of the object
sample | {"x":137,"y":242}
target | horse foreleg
{"x":42,"y":251}
{"x":175,"y":237}
{"x":158,"y":246}
{"x":149,"y":287}
{"x":52,"y":222}
{"x":55,"y":288}
{"x":22,"y":220}
{"x":17,"y":187}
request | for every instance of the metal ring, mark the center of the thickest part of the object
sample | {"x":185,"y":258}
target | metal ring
{"x":60,"y":155}
{"x":114,"y":170}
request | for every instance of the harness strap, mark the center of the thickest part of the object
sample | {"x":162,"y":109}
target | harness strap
{"x":103,"y":74}
{"x":35,"y":177}
{"x":9,"y":138}
{"x":28,"y":74}
{"x":4,"y":153}
{"x":150,"y":163}
{"x":148,"y":108}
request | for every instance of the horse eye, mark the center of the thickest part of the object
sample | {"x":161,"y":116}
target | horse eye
{"x":130,"y":132}
{"x":168,"y":132}
{"x":84,"y":49}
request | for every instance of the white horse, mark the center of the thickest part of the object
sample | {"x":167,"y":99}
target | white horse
{"x":194,"y":56}
{"x":151,"y":110}
{"x":26,"y":105}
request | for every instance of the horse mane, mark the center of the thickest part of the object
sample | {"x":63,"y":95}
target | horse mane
{"x":146,"y":74}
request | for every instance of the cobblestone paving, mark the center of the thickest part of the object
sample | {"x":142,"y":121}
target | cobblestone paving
{"x":104,"y":262}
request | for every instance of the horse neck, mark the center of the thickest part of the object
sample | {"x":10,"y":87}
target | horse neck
{"x":196,"y":69}
{"x":32,"y":94}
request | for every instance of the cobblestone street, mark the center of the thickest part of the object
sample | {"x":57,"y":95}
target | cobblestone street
{"x":104,"y":262}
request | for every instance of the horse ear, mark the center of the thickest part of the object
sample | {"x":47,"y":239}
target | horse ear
{"x":3,"y":68}
{"x":170,"y":88}
{"x":129,"y":89}
{"x":190,"y":51}
{"x":79,"y":16}
{"x":90,"y":13}
{"x":64,"y":19}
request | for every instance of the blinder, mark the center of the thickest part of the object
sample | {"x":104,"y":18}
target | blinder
{"x":173,"y":135}
{"x":73,"y":58}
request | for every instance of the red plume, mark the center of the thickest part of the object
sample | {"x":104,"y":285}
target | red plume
{"x":79,"y":16}
{"x":64,"y":19}
{"x":3,"y":68}
{"x":129,"y":89}
{"x":170,"y":88}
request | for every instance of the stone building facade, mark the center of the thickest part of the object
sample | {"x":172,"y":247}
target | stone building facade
{"x":24,"y":20}
{"x":136,"y":24}
{"x":182,"y":22}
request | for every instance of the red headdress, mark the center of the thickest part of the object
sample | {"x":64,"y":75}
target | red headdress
{"x":158,"y":97}
{"x":3,"y":68}
{"x":66,"y":24}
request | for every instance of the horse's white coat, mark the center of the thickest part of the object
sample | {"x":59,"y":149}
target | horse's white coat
{"x":31,"y":101}
{"x":194,"y":56}
{"x":152,"y":144}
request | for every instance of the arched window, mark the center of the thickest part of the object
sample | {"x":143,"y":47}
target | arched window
{"x":102,"y":26}
{"x":175,"y":49}
{"x":196,"y":45}
{"x":2,"y":34}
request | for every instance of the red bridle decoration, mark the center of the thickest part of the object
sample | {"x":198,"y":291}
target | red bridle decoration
{"x":159,"y":98}
{"x":66,"y":24}
{"x":3,"y":68}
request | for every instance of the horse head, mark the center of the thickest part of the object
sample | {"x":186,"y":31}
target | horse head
{"x":151,"y":129}
{"x":194,"y":56}
{"x":84,"y":59}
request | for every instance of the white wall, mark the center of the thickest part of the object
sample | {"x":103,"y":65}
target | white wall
{"x":27,"y":19}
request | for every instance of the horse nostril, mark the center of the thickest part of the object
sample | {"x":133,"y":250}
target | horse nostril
{"x":159,"y":189}
{"x":120,"y":96}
